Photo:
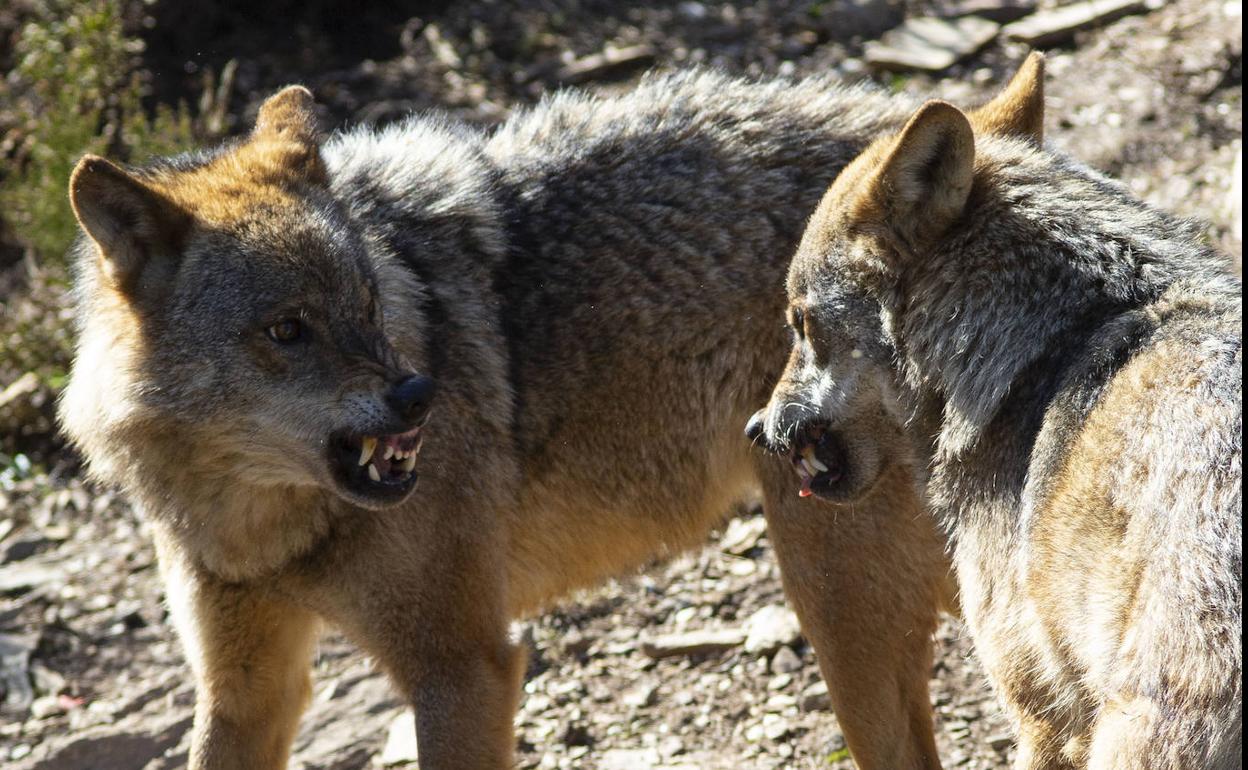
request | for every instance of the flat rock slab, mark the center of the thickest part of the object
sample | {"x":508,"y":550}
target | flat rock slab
{"x":930,"y":44}
{"x":1058,"y":25}
{"x":693,"y":643}
{"x":1000,"y":11}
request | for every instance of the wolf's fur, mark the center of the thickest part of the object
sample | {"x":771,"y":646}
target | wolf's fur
{"x":1063,"y":364}
{"x":595,"y":286}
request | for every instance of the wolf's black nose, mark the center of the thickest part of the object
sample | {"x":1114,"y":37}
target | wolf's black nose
{"x":754,"y":428}
{"x":411,"y":396}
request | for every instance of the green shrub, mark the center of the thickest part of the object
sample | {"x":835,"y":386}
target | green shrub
{"x":80,"y":92}
{"x":77,"y":88}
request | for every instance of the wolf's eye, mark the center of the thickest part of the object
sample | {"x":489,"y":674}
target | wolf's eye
{"x":286,"y":330}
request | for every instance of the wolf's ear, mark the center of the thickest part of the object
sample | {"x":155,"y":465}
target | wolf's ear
{"x":133,"y":225}
{"x":922,"y":185}
{"x":1019,"y":109}
{"x":286,"y":126}
{"x":289,"y":114}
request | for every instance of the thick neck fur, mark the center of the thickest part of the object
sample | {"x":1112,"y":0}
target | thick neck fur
{"x":1047,"y":252}
{"x":190,"y":490}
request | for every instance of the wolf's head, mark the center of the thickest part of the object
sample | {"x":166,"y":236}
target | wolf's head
{"x":836,"y":410}
{"x":233,"y":324}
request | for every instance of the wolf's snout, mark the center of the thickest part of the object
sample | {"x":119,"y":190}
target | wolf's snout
{"x":412,"y":396}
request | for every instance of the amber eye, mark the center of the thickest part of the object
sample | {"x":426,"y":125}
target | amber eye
{"x":286,"y":330}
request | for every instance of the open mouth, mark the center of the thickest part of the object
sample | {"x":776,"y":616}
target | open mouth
{"x":379,"y":467}
{"x":819,"y":458}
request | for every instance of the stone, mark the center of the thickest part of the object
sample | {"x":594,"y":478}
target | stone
{"x":47,"y":706}
{"x":640,"y":696}
{"x":785,"y":661}
{"x":1057,"y":25}
{"x":779,"y":703}
{"x":693,"y":643}
{"x":400,"y":748}
{"x":1000,"y":741}
{"x":930,"y":44}
{"x":775,"y":727}
{"x":670,"y":747}
{"x":771,"y":628}
{"x":21,"y":577}
{"x":628,"y":759}
{"x":15,"y":650}
{"x":608,"y":62}
{"x":815,"y":697}
{"x":25,"y":547}
{"x":742,"y":535}
{"x":1000,"y":11}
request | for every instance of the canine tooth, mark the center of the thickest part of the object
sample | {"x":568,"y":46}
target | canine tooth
{"x":809,"y":468}
{"x":367,"y":447}
{"x":373,"y":473}
{"x":409,"y":463}
{"x":818,"y":465}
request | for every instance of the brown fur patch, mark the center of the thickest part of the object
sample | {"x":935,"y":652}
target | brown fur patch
{"x":1019,"y":109}
{"x":264,"y":172}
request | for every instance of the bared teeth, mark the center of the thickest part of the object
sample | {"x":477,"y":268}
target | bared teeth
{"x":813,"y":464}
{"x":409,"y":463}
{"x":390,"y":451}
{"x":373,"y":473}
{"x":368,"y":445}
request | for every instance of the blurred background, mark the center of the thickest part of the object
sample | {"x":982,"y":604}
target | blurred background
{"x":90,"y":676}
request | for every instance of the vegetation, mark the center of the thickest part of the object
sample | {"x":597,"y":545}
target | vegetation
{"x":77,"y":88}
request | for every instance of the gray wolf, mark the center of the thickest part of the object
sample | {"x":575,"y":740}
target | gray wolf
{"x":1059,"y":366}
{"x":419,"y":381}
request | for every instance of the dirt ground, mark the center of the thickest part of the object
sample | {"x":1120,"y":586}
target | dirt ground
{"x":1154,"y":99}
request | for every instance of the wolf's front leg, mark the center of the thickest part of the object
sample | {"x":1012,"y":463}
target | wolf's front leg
{"x":465,"y":708}
{"x":867,"y":582}
{"x":434,"y":619}
{"x":251,"y":655}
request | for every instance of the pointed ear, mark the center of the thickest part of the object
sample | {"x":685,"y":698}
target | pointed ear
{"x":135,"y":228}
{"x":289,"y":114}
{"x":286,"y":127}
{"x":922,"y":184}
{"x":1019,"y":109}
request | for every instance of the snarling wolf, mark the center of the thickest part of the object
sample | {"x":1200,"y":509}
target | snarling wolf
{"x":1060,"y":366}
{"x":420,"y":381}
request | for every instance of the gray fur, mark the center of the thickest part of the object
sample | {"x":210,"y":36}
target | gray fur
{"x":1007,"y":345}
{"x":596,"y":288}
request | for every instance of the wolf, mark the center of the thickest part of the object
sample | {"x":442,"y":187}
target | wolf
{"x":420,"y":381}
{"x":1058,"y":366}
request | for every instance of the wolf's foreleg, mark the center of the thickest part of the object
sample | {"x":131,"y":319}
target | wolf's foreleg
{"x":251,"y":655}
{"x":465,"y":709}
{"x":867,"y":582}
{"x":430,"y":608}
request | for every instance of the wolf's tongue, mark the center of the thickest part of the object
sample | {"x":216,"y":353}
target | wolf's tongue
{"x":805,"y":490}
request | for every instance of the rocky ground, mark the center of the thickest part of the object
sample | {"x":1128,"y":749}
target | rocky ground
{"x":90,"y":673}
